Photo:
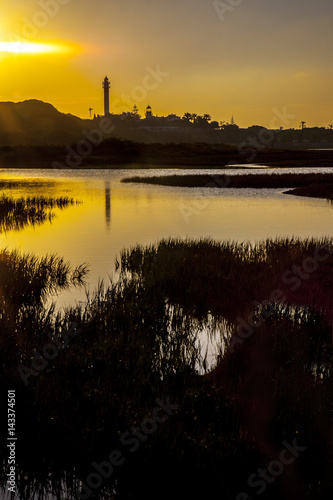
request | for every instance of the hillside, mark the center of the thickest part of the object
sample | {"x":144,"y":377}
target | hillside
{"x":37,"y":123}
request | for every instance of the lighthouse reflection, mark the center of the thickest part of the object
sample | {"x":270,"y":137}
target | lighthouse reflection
{"x":107,"y":204}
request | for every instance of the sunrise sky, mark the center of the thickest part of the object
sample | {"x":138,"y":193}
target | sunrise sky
{"x":245,"y":60}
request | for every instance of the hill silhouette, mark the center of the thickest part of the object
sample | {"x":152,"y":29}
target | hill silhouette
{"x":35,"y":134}
{"x":37,"y":123}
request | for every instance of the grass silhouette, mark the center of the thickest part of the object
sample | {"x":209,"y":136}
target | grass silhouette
{"x":15,"y":214}
{"x":139,"y":341}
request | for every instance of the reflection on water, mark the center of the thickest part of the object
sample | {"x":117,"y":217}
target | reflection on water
{"x":146,"y":339}
{"x":16,"y":214}
{"x":95,"y":231}
{"x":107,"y":204}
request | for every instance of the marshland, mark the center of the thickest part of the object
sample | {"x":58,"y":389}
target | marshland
{"x":18,"y":213}
{"x":314,"y":185}
{"x":219,"y":304}
{"x":138,"y":341}
{"x":166,"y":250}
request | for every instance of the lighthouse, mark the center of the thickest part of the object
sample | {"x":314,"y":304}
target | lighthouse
{"x":106,"y":87}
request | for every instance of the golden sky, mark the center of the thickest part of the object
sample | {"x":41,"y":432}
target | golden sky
{"x":255,"y":59}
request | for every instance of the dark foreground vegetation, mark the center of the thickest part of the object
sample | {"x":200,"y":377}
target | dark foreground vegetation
{"x":137,"y":340}
{"x":115,"y":153}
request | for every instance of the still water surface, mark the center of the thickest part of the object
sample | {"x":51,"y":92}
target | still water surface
{"x":113,"y":216}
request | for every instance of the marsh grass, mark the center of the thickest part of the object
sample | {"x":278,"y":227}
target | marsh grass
{"x":272,"y":181}
{"x":224,"y":278}
{"x":15,"y":214}
{"x":30,"y":279}
{"x":315,"y":191}
{"x":138,"y":341}
{"x":32,"y":183}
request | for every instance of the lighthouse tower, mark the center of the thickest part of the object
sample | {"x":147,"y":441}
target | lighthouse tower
{"x":149,"y":112}
{"x":106,"y":87}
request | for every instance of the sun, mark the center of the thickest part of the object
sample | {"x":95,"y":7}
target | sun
{"x":30,"y":48}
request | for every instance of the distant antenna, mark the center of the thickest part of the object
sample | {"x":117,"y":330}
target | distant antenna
{"x":232,"y":120}
{"x":90,"y":112}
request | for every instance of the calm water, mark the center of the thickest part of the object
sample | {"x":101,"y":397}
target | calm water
{"x":113,"y":216}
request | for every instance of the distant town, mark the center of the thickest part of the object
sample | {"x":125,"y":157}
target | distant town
{"x":192,"y":127}
{"x":36,"y":123}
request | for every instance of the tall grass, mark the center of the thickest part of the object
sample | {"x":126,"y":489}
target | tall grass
{"x":15,"y":214}
{"x":28,"y":279}
{"x":226,"y":277}
{"x":138,"y":341}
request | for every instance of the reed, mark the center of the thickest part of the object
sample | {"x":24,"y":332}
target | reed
{"x":138,"y":342}
{"x":258,"y":181}
{"x":15,"y":214}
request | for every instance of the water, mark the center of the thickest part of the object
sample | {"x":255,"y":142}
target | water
{"x":114,"y":215}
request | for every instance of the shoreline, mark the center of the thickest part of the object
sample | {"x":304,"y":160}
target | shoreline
{"x":314,"y":191}
{"x":239,"y":181}
{"x":308,"y":185}
{"x":116,"y":154}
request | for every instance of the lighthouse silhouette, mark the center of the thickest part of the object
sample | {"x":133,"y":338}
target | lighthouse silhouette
{"x":106,"y":86}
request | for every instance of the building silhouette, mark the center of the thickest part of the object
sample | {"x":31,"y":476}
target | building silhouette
{"x":149,"y":112}
{"x":106,"y":87}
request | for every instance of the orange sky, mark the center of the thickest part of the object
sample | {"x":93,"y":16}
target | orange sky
{"x":247,"y":60}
